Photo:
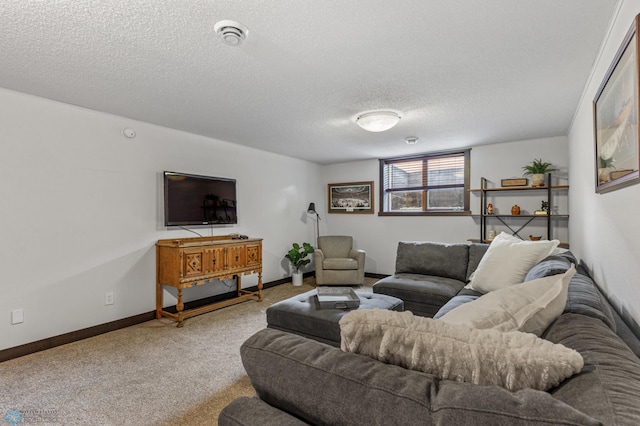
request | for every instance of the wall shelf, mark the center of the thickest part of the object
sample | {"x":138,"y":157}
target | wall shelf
{"x":523,"y":219}
{"x":519,"y":188}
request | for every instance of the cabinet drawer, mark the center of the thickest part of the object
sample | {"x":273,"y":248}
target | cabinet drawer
{"x":236,"y":257}
{"x":192,"y":263}
{"x":254,"y":255}
{"x":214,"y":260}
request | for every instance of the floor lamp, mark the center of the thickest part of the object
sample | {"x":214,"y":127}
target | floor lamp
{"x":312,"y":210}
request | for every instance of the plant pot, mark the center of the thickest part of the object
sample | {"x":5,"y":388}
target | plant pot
{"x":537,"y":179}
{"x":604,"y":175}
{"x":296,"y":277}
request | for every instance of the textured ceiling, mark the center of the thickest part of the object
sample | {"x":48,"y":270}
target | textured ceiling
{"x":461,"y":72}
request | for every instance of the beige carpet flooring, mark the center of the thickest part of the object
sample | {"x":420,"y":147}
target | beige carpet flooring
{"x":149,"y":374}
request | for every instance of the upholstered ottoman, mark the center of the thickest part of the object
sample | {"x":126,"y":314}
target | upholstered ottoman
{"x":302,"y":315}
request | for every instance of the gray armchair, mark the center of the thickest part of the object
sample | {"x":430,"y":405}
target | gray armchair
{"x":337,"y":262}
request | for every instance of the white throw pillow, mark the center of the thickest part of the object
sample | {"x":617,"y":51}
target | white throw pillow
{"x":507,"y":261}
{"x":529,"y":307}
{"x":513,"y":360}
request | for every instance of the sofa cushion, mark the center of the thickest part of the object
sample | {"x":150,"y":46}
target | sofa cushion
{"x":507,"y":261}
{"x":430,"y":258}
{"x":323,"y":385}
{"x":422,"y":294}
{"x":608,"y":388}
{"x":529,"y":307}
{"x":585,"y":298}
{"x":341,"y":263}
{"x":245,"y":411}
{"x":456,"y":301}
{"x":476,"y":252}
{"x":513,"y":360}
{"x":551,"y":265}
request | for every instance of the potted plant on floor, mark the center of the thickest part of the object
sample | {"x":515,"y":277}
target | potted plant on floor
{"x":297,"y":255}
{"x":537,"y":169}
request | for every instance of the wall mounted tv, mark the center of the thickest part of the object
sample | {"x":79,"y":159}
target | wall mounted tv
{"x":198,"y":200}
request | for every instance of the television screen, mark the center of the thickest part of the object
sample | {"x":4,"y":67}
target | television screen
{"x":198,"y":200}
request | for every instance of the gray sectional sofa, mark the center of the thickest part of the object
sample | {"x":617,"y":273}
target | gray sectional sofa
{"x":429,"y":274}
{"x":300,"y":381}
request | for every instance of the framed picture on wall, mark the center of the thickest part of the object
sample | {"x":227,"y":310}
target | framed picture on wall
{"x":615,"y":117}
{"x":351,"y":197}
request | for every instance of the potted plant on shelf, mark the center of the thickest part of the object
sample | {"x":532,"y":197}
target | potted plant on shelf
{"x":297,"y":255}
{"x":537,"y":169}
{"x":605,"y":166}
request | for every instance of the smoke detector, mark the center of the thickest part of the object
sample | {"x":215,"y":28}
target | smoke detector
{"x":411,"y":140}
{"x":231,"y":32}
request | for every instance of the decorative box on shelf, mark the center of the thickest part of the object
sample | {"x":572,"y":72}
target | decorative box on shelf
{"x":506,"y":183}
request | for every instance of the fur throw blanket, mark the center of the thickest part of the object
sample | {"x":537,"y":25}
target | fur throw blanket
{"x":514,"y":360}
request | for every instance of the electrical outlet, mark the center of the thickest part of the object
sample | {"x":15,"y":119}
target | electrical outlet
{"x":108,"y":298}
{"x":17,"y":316}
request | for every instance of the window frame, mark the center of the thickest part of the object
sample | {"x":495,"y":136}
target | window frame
{"x":466,"y":211}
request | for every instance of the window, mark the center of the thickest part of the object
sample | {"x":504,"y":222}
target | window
{"x":425,"y":185}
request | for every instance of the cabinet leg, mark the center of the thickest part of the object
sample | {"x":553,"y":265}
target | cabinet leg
{"x":180,"y":308}
{"x":158,"y":300}
{"x":259,"y":286}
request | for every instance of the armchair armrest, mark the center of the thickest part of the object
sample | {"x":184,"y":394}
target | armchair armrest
{"x":358,"y":255}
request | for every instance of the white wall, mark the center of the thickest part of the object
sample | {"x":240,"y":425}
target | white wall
{"x":604,"y":228}
{"x":80,"y":207}
{"x":81,"y":211}
{"x":379,"y":235}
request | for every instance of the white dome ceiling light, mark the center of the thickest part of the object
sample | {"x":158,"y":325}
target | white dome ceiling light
{"x":230,"y":32}
{"x":378,"y":121}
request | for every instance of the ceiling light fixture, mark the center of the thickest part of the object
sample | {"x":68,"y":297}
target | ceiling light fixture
{"x":378,"y":121}
{"x":230,"y":32}
{"x":411,"y":140}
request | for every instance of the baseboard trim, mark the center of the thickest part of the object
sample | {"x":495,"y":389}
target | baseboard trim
{"x":85,"y":333}
{"x":73,"y":336}
{"x":372,"y":275}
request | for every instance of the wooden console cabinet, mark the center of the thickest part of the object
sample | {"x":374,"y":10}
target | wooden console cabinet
{"x":187,"y":262}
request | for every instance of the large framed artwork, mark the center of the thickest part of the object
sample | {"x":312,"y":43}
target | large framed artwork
{"x":615,"y":117}
{"x":351,"y":197}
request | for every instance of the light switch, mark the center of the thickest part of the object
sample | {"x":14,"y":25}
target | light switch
{"x":17,"y":316}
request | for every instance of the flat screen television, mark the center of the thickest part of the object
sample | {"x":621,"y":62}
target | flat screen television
{"x":198,"y":200}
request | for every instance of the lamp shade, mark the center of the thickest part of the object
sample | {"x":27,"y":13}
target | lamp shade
{"x":378,"y":121}
{"x":312,"y":208}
